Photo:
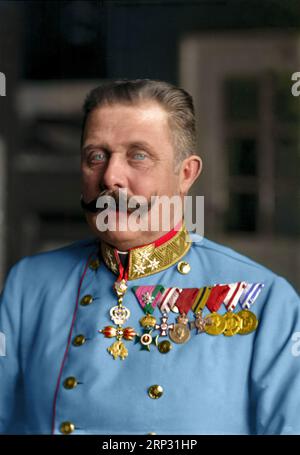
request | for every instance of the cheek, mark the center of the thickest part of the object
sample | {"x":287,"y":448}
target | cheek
{"x":161,"y":181}
{"x":91,"y":220}
{"x":89,"y":179}
{"x":168,"y":183}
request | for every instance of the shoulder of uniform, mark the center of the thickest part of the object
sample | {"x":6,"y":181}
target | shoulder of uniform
{"x":77,"y":247}
{"x":213,"y":248}
{"x":55,"y":259}
{"x":278,"y":288}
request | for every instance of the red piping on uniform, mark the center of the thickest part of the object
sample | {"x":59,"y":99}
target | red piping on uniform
{"x":162,"y":239}
{"x":68,"y":344}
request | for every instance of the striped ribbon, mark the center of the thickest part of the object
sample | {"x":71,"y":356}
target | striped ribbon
{"x":169,"y":299}
{"x":250,"y":294}
{"x":202,"y":297}
{"x":232,"y":298}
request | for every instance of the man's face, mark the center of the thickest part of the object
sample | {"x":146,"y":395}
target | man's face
{"x":128,"y":147}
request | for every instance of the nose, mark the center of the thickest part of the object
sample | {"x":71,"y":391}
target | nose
{"x":114,"y":175}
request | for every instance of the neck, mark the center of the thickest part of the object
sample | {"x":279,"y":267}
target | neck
{"x":144,"y":238}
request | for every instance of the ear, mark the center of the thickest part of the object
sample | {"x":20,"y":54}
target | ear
{"x":190,"y":170}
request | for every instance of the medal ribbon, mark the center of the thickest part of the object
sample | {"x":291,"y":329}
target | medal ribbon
{"x":234,"y":294}
{"x":250,"y":294}
{"x":202,"y":297}
{"x":169,"y":299}
{"x":148,"y":296}
{"x":217,"y":297}
{"x":187,"y":298}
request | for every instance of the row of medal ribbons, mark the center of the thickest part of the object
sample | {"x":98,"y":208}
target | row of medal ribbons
{"x":182,"y":302}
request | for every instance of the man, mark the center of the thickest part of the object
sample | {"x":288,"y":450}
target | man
{"x":146,"y":331}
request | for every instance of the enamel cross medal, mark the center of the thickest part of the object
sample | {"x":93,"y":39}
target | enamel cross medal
{"x":119,"y":315}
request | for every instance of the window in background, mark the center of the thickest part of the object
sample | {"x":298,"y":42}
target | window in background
{"x":261,"y":128}
{"x":249,"y":139}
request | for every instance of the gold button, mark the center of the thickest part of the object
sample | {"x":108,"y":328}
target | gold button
{"x":155,"y":391}
{"x":86,"y":300}
{"x":67,"y":427}
{"x":79,"y":340}
{"x":70,"y":383}
{"x":165,"y":346}
{"x":94,"y":264}
{"x":183,"y":267}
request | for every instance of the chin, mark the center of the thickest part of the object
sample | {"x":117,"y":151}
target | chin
{"x":119,"y":238}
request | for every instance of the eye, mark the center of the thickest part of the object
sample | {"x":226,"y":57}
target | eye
{"x":98,"y":157}
{"x":139,"y":156}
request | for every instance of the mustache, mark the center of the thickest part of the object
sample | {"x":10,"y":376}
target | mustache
{"x":116,"y":199}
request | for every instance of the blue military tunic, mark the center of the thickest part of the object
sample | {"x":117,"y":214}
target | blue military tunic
{"x":58,"y":377}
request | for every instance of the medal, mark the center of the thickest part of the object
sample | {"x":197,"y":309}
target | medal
{"x":180,"y":332}
{"x":198,"y":306}
{"x":119,"y":314}
{"x":200,"y":323}
{"x":148,"y":321}
{"x":247,"y":299}
{"x":127,"y":333}
{"x":249,"y":322}
{"x":118,"y":349}
{"x":215,"y":324}
{"x":120,"y":288}
{"x":233,"y":324}
{"x":146,"y":340}
{"x":164,"y":327}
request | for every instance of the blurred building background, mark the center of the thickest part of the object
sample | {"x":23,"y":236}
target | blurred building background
{"x":235,"y":57}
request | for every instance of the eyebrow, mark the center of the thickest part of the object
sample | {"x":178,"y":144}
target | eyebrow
{"x":89,"y":147}
{"x":105,"y":146}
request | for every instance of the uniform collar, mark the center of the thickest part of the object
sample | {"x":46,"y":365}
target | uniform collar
{"x":151,"y":258}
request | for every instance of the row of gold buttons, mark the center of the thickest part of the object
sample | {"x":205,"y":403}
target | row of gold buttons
{"x":71,"y":382}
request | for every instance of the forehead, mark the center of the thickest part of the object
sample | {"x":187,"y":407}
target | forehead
{"x":124,"y":121}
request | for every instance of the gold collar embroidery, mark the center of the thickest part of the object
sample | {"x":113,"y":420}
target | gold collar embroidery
{"x":149,"y":259}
